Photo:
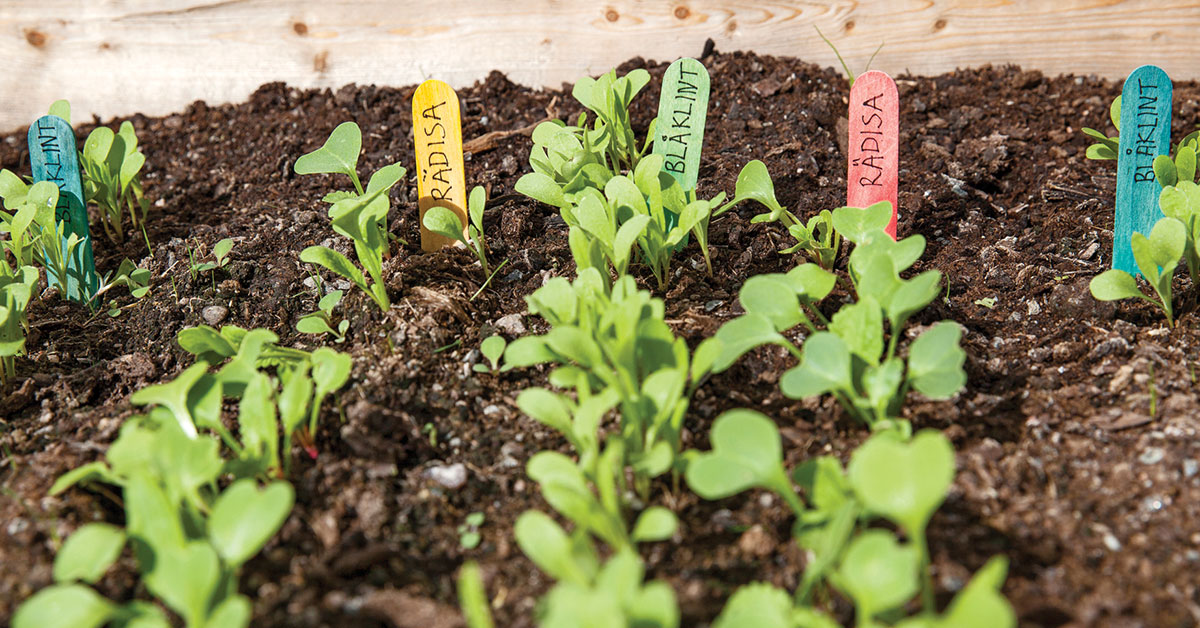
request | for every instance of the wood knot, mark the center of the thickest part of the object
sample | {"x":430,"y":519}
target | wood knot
{"x":849,"y":25}
{"x":612,"y":15}
{"x":301,"y":28}
{"x":940,"y":24}
{"x":36,"y":38}
{"x":682,"y":12}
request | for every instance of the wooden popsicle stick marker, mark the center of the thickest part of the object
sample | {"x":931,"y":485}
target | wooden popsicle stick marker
{"x":53,"y":158}
{"x":1145,"y":134}
{"x":441,"y":177}
{"x":873,"y":144}
{"x":682,"y":112}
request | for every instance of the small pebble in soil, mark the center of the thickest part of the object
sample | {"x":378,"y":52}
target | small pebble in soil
{"x":1111,"y":542}
{"x":515,"y":275}
{"x":214,"y":314}
{"x":1190,"y":468}
{"x":712,"y":305}
{"x":1152,"y":455}
{"x":511,"y":325}
{"x":450,"y":476}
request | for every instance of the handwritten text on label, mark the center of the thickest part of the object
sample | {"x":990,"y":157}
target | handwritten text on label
{"x":874,"y":143}
{"x":1145,"y":134}
{"x":441,"y":178}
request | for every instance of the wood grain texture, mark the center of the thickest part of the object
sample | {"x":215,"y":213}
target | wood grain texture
{"x":113,"y":57}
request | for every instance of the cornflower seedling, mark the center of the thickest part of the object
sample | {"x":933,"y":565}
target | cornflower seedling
{"x":1180,"y":196}
{"x":220,"y":255}
{"x":492,"y":348}
{"x":112,"y":181}
{"x":472,"y":598}
{"x":587,"y":592}
{"x":1156,"y":258}
{"x":16,"y":288}
{"x":447,"y":224}
{"x":190,"y":539}
{"x":614,"y":349}
{"x":360,"y":215}
{"x":847,"y":355}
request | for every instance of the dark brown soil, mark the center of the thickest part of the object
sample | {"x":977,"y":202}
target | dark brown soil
{"x":1076,"y":434}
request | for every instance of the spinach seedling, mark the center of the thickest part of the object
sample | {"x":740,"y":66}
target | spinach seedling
{"x":446,"y":223}
{"x":360,"y":215}
{"x":321,"y":321}
{"x":492,"y":348}
{"x":1156,"y":257}
{"x":468,"y":532}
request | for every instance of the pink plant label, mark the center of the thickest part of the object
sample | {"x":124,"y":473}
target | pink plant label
{"x":874,"y":143}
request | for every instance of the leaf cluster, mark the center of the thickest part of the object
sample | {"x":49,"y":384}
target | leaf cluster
{"x":853,"y":354}
{"x":447,"y":224}
{"x":360,"y":215}
{"x":111,"y":167}
{"x":321,"y":321}
{"x":1156,"y":257}
{"x":898,"y":479}
{"x":16,"y":288}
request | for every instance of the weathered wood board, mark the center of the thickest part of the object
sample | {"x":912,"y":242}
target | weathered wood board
{"x":124,"y":56}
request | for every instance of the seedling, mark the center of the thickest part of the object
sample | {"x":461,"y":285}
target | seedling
{"x":360,"y":215}
{"x":112,"y":179}
{"x":468,"y":532}
{"x":472,"y":598}
{"x":988,"y":302}
{"x":492,"y":348}
{"x":220,"y":253}
{"x":16,"y":288}
{"x":847,"y":355}
{"x":321,"y":321}
{"x":845,"y":67}
{"x":1156,"y":258}
{"x":447,"y":224}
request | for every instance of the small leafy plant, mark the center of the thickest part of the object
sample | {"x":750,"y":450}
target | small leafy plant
{"x":446,"y":223}
{"x":360,"y":215}
{"x":220,"y":253}
{"x":111,"y":167}
{"x":468,"y":532}
{"x":854,"y":354}
{"x":16,"y":288}
{"x":1156,"y":258}
{"x":492,"y":349}
{"x":903,"y":481}
{"x":321,"y":321}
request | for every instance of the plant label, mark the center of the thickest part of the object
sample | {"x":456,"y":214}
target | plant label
{"x":1145,"y":134}
{"x":53,"y":158}
{"x":441,"y":177}
{"x":679,"y":134}
{"x":873,"y":143}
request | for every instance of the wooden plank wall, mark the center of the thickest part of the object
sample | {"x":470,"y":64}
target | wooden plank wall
{"x":112,"y":57}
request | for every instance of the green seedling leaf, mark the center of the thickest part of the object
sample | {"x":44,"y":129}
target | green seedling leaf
{"x":243,"y":518}
{"x":549,"y":409}
{"x":742,"y":334}
{"x":95,"y":471}
{"x":654,"y":524}
{"x":759,"y":605}
{"x":185,"y":578}
{"x":904,"y":482}
{"x":541,"y":187}
{"x":1113,"y":285}
{"x":334,"y":261}
{"x":878,"y":573}
{"x":174,"y":396}
{"x":444,"y":222}
{"x":1164,"y":171}
{"x":860,"y":326}
{"x":935,"y":361}
{"x":88,"y":553}
{"x":547,"y":545}
{"x":492,"y":348}
{"x":981,"y":604}
{"x":472,"y":597}
{"x":233,"y":612}
{"x":860,"y":225}
{"x":768,"y":295}
{"x":313,"y":324}
{"x":339,"y":154}
{"x":746,"y":453}
{"x":62,"y":109}
{"x":64,"y":606}
{"x":824,"y":367}
{"x":811,"y":281}
{"x":221,"y":250}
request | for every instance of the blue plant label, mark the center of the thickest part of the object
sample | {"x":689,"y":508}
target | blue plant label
{"x":1145,"y":134}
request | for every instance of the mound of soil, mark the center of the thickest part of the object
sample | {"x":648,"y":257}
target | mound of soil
{"x":1077,"y":438}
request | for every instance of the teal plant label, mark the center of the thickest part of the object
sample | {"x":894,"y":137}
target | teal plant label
{"x":682,"y":112}
{"x":53,"y":158}
{"x":1145,"y":134}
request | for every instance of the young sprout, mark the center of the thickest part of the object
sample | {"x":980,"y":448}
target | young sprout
{"x":492,"y":348}
{"x":472,"y":597}
{"x":468,"y":532}
{"x":220,"y":255}
{"x":1156,"y":257}
{"x":446,"y":223}
{"x":321,"y":321}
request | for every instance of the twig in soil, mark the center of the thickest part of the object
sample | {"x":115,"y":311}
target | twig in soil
{"x":488,"y":281}
{"x":491,"y":140}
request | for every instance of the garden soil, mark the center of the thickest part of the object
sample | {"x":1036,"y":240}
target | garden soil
{"x":1076,"y":434}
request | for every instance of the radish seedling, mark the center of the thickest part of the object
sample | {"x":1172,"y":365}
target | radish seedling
{"x":446,"y":223}
{"x":1156,"y":257}
{"x":850,"y":355}
{"x":360,"y":215}
{"x":492,"y":348}
{"x":321,"y":321}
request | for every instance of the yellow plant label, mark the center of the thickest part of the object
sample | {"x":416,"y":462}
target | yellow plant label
{"x":441,"y":178}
